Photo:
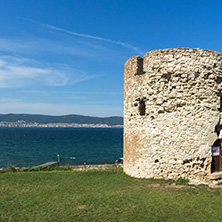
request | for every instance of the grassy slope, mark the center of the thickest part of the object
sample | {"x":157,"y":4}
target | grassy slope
{"x":101,"y":196}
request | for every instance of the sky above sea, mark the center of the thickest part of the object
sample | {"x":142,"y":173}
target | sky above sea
{"x":67,"y":57}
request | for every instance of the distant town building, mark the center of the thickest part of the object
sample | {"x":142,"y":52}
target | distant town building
{"x":56,"y":125}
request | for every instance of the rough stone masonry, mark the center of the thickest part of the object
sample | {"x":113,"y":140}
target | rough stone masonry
{"x":172,"y":104}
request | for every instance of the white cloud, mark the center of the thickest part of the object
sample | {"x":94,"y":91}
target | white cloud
{"x":16,"y":45}
{"x":120,"y":43}
{"x":79,"y":48}
{"x":17,"y":72}
{"x":123,"y":44}
{"x":9,"y":100}
{"x":93,"y":93}
{"x":59,"y":109}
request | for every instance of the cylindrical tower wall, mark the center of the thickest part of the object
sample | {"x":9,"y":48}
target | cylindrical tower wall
{"x":171,"y":113}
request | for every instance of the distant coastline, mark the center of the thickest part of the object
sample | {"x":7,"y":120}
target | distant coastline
{"x":65,"y":121}
{"x":22,"y":124}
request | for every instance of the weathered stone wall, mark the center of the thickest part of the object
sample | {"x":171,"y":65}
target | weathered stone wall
{"x":171,"y":113}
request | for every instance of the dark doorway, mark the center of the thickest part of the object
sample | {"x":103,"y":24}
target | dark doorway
{"x":142,"y":108}
{"x":216,"y":156}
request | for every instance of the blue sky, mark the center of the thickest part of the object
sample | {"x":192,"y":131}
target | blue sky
{"x":67,"y":57}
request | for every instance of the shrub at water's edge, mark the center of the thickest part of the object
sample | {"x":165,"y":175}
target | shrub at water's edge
{"x":13,"y":169}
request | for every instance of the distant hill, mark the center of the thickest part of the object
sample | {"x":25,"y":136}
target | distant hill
{"x":114,"y":120}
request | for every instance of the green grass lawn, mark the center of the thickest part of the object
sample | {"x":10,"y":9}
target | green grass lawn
{"x":107,"y":195}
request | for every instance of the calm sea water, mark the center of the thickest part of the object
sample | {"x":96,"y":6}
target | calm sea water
{"x":25,"y":147}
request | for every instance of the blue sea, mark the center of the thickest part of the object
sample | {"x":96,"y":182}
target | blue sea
{"x":24,"y":147}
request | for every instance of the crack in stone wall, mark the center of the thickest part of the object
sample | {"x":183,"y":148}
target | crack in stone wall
{"x":180,"y":89}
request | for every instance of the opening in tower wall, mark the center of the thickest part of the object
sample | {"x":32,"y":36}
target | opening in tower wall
{"x":142,"y":108}
{"x":216,"y":156}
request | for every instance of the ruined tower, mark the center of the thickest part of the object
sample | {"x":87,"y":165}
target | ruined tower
{"x":172,"y":108}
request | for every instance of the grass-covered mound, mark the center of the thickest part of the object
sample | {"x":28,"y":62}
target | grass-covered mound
{"x":107,"y":195}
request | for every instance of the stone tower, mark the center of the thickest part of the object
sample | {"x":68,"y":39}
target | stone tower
{"x":172,"y":107}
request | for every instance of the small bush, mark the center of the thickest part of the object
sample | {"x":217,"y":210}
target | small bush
{"x":2,"y":171}
{"x":49,"y":168}
{"x":160,"y":181}
{"x":11,"y":169}
{"x":203,"y":185}
{"x":182,"y":181}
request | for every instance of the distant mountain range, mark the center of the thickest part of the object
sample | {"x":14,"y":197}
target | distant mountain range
{"x":72,"y":118}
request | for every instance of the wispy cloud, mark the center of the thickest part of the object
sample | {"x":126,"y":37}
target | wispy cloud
{"x":126,"y":45}
{"x":74,"y":92}
{"x":9,"y":100}
{"x":16,"y":46}
{"x":51,"y":46}
{"x":18,"y":71}
{"x":120,"y":43}
{"x":93,"y":93}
